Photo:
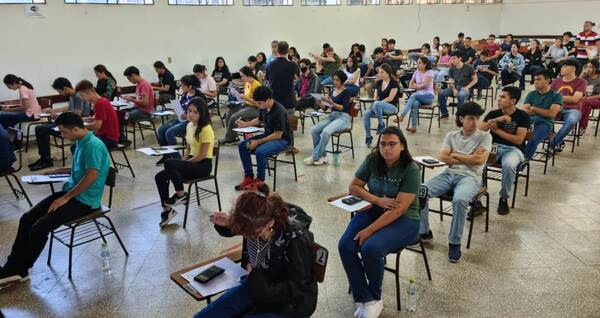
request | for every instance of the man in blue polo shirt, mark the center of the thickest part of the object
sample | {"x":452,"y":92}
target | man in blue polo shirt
{"x":80,"y":196}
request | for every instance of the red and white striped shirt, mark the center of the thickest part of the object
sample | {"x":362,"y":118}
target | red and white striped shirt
{"x":588,"y":39}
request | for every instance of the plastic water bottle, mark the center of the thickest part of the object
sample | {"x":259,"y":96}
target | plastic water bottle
{"x":412,"y":295}
{"x":105,"y":254}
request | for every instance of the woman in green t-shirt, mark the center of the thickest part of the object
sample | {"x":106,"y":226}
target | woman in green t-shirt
{"x":393,"y":182}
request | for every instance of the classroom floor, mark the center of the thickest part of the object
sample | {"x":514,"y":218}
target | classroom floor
{"x":541,"y":260}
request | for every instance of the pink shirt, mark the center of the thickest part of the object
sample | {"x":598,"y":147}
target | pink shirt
{"x":444,"y":59}
{"x":30,"y":102}
{"x":420,"y":78}
{"x":142,"y":89}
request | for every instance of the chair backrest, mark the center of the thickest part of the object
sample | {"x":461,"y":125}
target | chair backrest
{"x":44,"y":102}
{"x":492,"y":157}
{"x":111,"y":180}
{"x":216,"y":149}
{"x":16,"y":140}
{"x":293,"y":121}
{"x":320,"y":264}
{"x":423,"y":193}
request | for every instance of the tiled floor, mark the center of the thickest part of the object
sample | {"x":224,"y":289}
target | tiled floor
{"x":542,"y":260}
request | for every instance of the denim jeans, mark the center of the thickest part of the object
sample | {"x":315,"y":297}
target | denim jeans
{"x":540,"y":132}
{"x":167,"y":134}
{"x":323,"y":130}
{"x":529,"y":70}
{"x":236,"y":113}
{"x":509,"y":77}
{"x":137,"y":114}
{"x":482,"y":82}
{"x":464,"y":188}
{"x":570,"y":118}
{"x":261,"y":152}
{"x":377,"y":110}
{"x":325,"y":79}
{"x":42,"y":135}
{"x":353,"y":89}
{"x":441,"y":74}
{"x":509,"y":157}
{"x":365,"y":273}
{"x":234,"y":303}
{"x":462,"y":97}
{"x":414,"y":102}
{"x":10,"y":119}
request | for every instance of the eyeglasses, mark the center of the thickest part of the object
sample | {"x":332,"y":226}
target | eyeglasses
{"x":390,"y":144}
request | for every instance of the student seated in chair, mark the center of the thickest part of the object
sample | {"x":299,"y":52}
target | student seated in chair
{"x":512,"y":65}
{"x":197,"y":164}
{"x":7,"y":155}
{"x":465,"y":151}
{"x":327,"y":63}
{"x":276,"y":138}
{"x":144,"y":101}
{"x":508,"y":126}
{"x":105,"y":122}
{"x":307,"y":84}
{"x":238,"y":111}
{"x":168,"y":133}
{"x":542,"y":105}
{"x":43,"y":132}
{"x":278,"y":254}
{"x":387,"y":92}
{"x":208,"y":85}
{"x":106,"y":86}
{"x":221,"y":72}
{"x":486,"y":69}
{"x":26,"y":109}
{"x":339,"y":119}
{"x":422,"y":83}
{"x":166,"y":85}
{"x":352,"y":72}
{"x":462,"y":79}
{"x":393,"y":182}
{"x":591,"y":74}
{"x":80,"y":196}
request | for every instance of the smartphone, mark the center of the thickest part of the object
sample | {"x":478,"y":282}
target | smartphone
{"x":430,"y":161}
{"x":351,"y":200}
{"x":158,"y":148}
{"x":208,"y":274}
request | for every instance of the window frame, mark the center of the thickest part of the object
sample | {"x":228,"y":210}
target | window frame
{"x":348,"y":3}
{"x":304,"y":4}
{"x":200,"y":5}
{"x":76,"y":2}
{"x":31,"y":2}
{"x":444,"y":2}
{"x":291,"y":4}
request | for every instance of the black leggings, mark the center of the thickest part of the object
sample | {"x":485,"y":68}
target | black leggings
{"x":177,"y":171}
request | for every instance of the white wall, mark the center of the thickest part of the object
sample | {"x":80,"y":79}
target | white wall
{"x":73,"y":38}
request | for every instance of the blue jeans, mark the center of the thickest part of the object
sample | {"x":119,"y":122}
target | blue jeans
{"x":353,"y":89}
{"x":570,"y":118}
{"x":235,"y":302}
{"x":167,"y":134}
{"x":540,"y":132}
{"x":414,"y":102}
{"x":10,"y":119}
{"x":464,"y":187}
{"x":325,"y":79}
{"x":509,"y":157}
{"x":482,"y":82}
{"x":377,"y":110}
{"x":323,"y":130}
{"x":261,"y":152}
{"x":443,"y":98}
{"x":441,"y":74}
{"x":365,"y":273}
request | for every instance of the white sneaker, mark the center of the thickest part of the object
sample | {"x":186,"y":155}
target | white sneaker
{"x":309,"y":161}
{"x":319,"y":162}
{"x":359,"y":309}
{"x":372,"y":309}
{"x":324,"y":159}
{"x":8,"y":281}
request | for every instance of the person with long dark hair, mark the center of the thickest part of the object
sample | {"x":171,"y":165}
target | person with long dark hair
{"x":106,"y":86}
{"x":241,"y":112}
{"x":352,"y":72}
{"x":166,"y":85}
{"x":387,"y":92}
{"x":197,"y":163}
{"x":422,"y":83}
{"x":261,"y":62}
{"x":393,"y":181}
{"x":533,"y":62}
{"x":26,"y":109}
{"x":556,"y":53}
{"x":221,"y":72}
{"x":277,"y":252}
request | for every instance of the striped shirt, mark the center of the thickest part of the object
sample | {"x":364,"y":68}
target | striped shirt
{"x":584,"y":39}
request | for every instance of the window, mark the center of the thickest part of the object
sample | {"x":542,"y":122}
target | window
{"x":363,"y":2}
{"x":268,"y":2}
{"x":440,"y":1}
{"x":110,"y":1}
{"x":323,"y":2}
{"x":202,"y":2}
{"x":22,"y":1}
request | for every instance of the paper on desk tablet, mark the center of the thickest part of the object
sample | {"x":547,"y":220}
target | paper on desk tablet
{"x":178,"y":109}
{"x":350,"y":208}
{"x":229,"y":279}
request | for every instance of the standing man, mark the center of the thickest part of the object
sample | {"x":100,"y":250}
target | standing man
{"x":281,"y":74}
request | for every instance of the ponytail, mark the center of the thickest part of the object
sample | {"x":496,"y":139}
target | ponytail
{"x":11,"y":79}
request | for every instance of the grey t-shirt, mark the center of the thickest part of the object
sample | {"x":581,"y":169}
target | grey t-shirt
{"x":76,"y":102}
{"x":366,"y":59}
{"x":462,"y":76}
{"x":461,"y":144}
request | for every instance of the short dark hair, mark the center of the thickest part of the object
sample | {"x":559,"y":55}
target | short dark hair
{"x":455,"y":53}
{"x":190,"y":80}
{"x":468,"y":109}
{"x":84,"y":85}
{"x":391,"y":41}
{"x":468,"y":38}
{"x":61,"y":83}
{"x":159,"y":64}
{"x":484,"y":53}
{"x":461,"y":35}
{"x":283,"y":47}
{"x":305,"y":61}
{"x":341,"y":75}
{"x":252,"y":58}
{"x":262,"y":94}
{"x":514,"y":92}
{"x":199,"y":68}
{"x":326,"y":45}
{"x":546,"y":73}
{"x":572,"y":62}
{"x":69,"y":120}
{"x":595,"y":65}
{"x":568,"y":33}
{"x":131,"y":71}
{"x":361,"y":48}
{"x":246,"y":70}
{"x":492,"y":36}
{"x":378,"y":50}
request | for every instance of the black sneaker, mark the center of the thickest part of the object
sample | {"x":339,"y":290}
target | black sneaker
{"x":477,"y":209}
{"x":42,"y":165}
{"x":9,"y":278}
{"x":427,"y":237}
{"x":35,"y":163}
{"x":444,"y":116}
{"x":176,"y":200}
{"x":161,"y":161}
{"x":166,"y":217}
{"x":228,"y":142}
{"x":454,"y":253}
{"x":559,"y":148}
{"x":503,"y":208}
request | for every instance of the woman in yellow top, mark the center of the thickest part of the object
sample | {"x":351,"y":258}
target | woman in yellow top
{"x":196,"y":164}
{"x":238,"y":110}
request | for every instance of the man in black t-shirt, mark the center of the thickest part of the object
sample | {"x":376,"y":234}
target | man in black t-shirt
{"x":166,"y":85}
{"x":281,"y":74}
{"x":276,"y":138}
{"x":508,"y":126}
{"x":486,"y":68}
{"x":467,"y":53}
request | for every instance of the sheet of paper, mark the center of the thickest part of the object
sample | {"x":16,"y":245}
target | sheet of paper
{"x":167,"y":149}
{"x":164,"y":113}
{"x":42,"y":179}
{"x":178,"y":109}
{"x":350,"y":208}
{"x":235,"y":93}
{"x":249,"y":130}
{"x":321,"y":98}
{"x":314,"y":114}
{"x":120,"y":102}
{"x":229,"y":279}
{"x":419,"y":159}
